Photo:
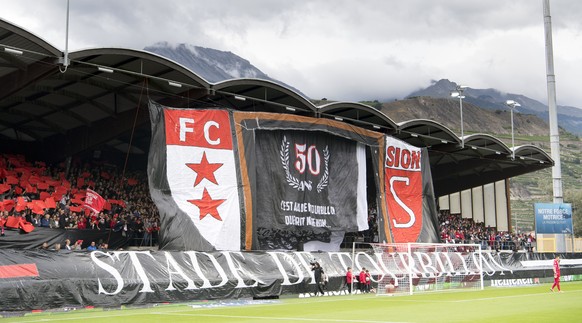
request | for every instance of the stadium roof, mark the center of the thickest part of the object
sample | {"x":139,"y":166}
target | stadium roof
{"x":51,"y":111}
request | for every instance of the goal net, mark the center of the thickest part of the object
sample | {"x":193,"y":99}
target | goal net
{"x":410,"y":268}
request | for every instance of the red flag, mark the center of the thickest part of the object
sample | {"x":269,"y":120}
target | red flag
{"x":18,"y":190}
{"x":61,"y":190}
{"x":11,"y":180}
{"x":42,"y":186}
{"x":76,"y":201}
{"x":33,"y":180}
{"x":7,"y":205}
{"x":26,"y":226}
{"x":30,"y":189}
{"x":105,"y":175}
{"x":4,"y":188}
{"x":16,"y":160}
{"x":37,"y":206}
{"x":80,"y":182}
{"x":44,"y":195}
{"x":23,"y":171}
{"x":54,"y":183}
{"x":75,"y":209}
{"x":57,"y":196}
{"x":94,"y":201}
{"x":50,"y":203}
{"x":131,"y":181}
{"x":118,"y":202}
{"x":21,"y":204}
{"x":13,"y":222}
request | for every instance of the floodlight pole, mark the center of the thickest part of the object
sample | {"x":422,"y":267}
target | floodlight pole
{"x":458,"y":92}
{"x":461,"y":113}
{"x":65,"y":61}
{"x":512,"y":138}
{"x":512,"y":105}
{"x":553,"y":111}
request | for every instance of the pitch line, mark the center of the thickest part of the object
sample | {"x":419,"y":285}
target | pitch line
{"x":513,"y":296}
{"x":271,"y":318}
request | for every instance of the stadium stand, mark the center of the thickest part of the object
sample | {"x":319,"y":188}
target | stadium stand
{"x":37,"y":194}
{"x":42,"y":195}
{"x":456,"y":229}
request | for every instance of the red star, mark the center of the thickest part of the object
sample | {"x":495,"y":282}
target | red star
{"x":207,"y":206}
{"x":204,"y":170}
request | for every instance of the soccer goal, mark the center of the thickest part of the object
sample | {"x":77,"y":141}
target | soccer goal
{"x":409,"y":268}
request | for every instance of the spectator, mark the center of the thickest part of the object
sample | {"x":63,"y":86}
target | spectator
{"x":78,"y":245}
{"x":68,"y":244}
{"x":92,"y":247}
{"x":54,"y":222}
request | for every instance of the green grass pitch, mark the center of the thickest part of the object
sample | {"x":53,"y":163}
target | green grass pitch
{"x":518,"y":304}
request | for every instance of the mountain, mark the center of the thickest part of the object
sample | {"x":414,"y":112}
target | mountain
{"x":211,"y":64}
{"x":216,"y":66}
{"x":569,"y":118}
{"x":475,"y":119}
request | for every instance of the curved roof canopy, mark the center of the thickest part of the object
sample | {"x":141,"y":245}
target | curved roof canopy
{"x":360,"y":115}
{"x":52,"y":110}
{"x":261,"y":95}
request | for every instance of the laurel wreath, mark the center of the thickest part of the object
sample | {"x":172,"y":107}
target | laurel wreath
{"x":294,"y":182}
{"x":324,"y":179}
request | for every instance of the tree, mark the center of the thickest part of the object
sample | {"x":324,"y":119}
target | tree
{"x":575,"y":197}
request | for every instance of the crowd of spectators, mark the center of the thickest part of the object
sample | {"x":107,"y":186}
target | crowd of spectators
{"x":456,"y":229}
{"x":52,"y":196}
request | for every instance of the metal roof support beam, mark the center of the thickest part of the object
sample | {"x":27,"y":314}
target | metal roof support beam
{"x":59,"y":147}
{"x":18,"y":80}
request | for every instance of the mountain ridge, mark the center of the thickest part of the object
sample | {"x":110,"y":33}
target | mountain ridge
{"x":217,"y":66}
{"x":213,"y":65}
{"x":569,"y":118}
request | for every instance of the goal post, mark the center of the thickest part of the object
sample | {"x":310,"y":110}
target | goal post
{"x":409,"y":268}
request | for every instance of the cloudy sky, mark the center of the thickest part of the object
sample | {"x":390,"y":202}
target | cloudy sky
{"x":342,"y":49}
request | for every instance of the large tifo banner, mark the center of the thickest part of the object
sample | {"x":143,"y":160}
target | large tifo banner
{"x":43,"y":279}
{"x":193,"y":179}
{"x":410,"y":197}
{"x":306,"y":180}
{"x":226,"y":180}
{"x":553,"y":218}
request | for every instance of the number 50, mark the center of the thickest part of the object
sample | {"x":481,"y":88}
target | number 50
{"x":307,"y":157}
